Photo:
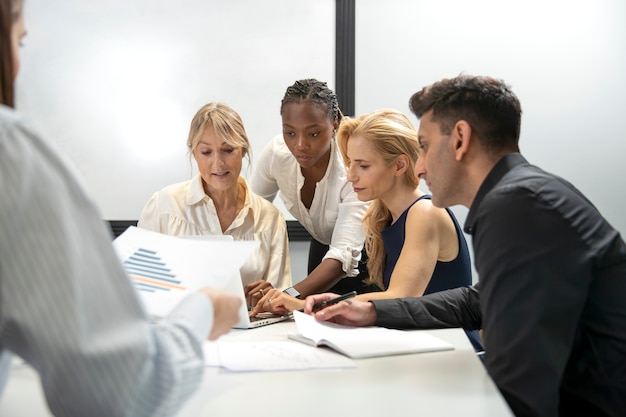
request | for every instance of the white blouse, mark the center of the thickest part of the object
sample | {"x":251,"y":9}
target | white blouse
{"x":336,"y":214}
{"x":184,"y":209}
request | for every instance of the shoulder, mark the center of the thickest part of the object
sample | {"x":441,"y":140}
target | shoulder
{"x":16,"y":130}
{"x":426,"y":211}
{"x":277,"y":147}
{"x":276,"y":155}
{"x":260,"y":204}
{"x":425,"y":216}
{"x":173,"y":192}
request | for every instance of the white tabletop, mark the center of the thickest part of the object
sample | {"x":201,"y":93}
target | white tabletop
{"x":428,"y":384}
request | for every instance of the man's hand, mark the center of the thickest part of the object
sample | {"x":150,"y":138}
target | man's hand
{"x":349,"y":312}
{"x":225,"y":310}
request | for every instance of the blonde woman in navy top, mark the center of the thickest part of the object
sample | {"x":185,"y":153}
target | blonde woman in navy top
{"x":413,"y":247}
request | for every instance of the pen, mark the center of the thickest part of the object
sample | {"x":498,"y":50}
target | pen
{"x":323,"y":304}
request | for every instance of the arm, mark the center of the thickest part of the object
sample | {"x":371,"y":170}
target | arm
{"x":279,"y":270}
{"x":327,"y":273}
{"x":425,"y":229}
{"x":74,"y":314}
{"x":346,"y":244}
{"x":458,"y":307}
{"x":348,"y":235}
{"x":278,"y":302}
{"x":271,"y":230}
{"x":262,"y":182}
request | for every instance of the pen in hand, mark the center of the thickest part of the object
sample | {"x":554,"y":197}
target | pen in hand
{"x":324,"y":304}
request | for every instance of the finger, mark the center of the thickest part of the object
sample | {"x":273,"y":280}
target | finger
{"x":259,"y":307}
{"x":331,"y":312}
{"x":311,"y":300}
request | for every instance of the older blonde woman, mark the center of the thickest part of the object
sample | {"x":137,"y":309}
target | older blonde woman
{"x":218,"y":201}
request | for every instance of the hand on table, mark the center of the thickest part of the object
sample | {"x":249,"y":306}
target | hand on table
{"x":349,"y":312}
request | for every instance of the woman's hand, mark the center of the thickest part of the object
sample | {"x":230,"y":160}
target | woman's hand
{"x":255,"y":291}
{"x":277,"y":302}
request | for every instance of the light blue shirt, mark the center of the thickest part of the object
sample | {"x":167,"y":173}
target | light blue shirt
{"x":66,"y":305}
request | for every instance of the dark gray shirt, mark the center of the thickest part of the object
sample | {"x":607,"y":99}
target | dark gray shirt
{"x":551,"y":298}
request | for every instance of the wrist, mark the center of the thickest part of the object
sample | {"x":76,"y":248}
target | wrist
{"x":292,"y":292}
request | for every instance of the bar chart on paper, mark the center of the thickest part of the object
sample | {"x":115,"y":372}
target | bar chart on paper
{"x":150,"y":273}
{"x":164,"y":268}
{"x":158,"y":285}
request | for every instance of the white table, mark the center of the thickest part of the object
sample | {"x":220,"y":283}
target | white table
{"x":425,"y":384}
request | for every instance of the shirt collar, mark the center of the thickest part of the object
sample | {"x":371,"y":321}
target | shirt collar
{"x":499,"y":170}
{"x":195,"y":194}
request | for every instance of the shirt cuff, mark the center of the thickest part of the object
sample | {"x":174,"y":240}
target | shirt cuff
{"x":195,"y":311}
{"x":349,"y":259}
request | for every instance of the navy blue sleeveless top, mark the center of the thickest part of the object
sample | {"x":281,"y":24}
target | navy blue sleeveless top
{"x":447,"y":275}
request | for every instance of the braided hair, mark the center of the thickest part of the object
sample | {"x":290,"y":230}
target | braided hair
{"x":316,"y":92}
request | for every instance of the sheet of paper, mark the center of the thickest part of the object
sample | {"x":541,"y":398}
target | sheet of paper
{"x":165,"y":268}
{"x":272,"y":356}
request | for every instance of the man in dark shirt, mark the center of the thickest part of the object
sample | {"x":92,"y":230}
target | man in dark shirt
{"x":552,"y":293}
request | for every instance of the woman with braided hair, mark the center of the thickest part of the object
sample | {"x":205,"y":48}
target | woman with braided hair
{"x":306,"y":167}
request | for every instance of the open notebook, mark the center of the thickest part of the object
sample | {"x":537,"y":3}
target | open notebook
{"x":364,"y":342}
{"x":166,"y":268}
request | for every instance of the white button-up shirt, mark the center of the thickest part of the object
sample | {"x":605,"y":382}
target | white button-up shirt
{"x":336,"y":214}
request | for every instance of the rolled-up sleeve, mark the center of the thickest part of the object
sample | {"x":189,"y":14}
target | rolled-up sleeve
{"x":348,"y":234}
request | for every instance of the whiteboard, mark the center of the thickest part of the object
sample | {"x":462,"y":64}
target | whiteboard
{"x":564,"y":59}
{"x":116,"y":82}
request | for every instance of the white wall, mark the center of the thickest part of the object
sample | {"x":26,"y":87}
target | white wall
{"x":117,"y":82}
{"x":566,"y":61}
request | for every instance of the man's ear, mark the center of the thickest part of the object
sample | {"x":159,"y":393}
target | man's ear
{"x":462,"y":136}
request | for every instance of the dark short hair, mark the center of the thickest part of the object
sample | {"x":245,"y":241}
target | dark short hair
{"x":316,"y":92}
{"x":487,"y":104}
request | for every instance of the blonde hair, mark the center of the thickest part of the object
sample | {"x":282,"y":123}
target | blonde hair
{"x":391,"y":134}
{"x":227,"y":124}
